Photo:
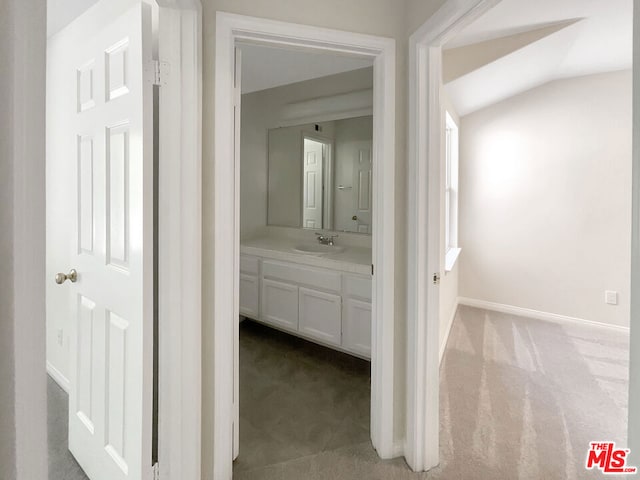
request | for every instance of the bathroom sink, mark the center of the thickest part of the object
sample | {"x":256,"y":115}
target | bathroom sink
{"x":317,"y":249}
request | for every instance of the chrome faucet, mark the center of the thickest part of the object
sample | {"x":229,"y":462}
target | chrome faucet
{"x":325,"y":239}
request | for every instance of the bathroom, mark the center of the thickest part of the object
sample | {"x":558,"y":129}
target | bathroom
{"x":305,"y":269}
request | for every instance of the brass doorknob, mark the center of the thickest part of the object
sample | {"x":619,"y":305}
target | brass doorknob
{"x":354,"y":218}
{"x":61,"y":277}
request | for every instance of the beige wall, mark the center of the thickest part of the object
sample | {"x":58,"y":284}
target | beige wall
{"x":418,"y":11}
{"x":387,"y":18}
{"x":545,"y":190}
{"x":7,"y":364}
{"x":23,"y":395}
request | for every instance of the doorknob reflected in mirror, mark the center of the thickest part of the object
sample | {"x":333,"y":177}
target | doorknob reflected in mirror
{"x":61,"y":277}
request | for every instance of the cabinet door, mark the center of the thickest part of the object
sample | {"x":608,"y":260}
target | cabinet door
{"x":356,"y":327}
{"x":320,"y":315}
{"x":280,"y":304}
{"x":249,"y":296}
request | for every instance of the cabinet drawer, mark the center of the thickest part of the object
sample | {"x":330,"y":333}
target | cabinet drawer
{"x":249,"y":295}
{"x":358,"y":287}
{"x":320,"y":315}
{"x":280,"y":304}
{"x":356,"y":327}
{"x":249,"y":264}
{"x":298,"y":274}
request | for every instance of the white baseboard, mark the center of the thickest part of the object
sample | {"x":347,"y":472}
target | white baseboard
{"x":536,"y":314}
{"x":443,"y":345}
{"x":57,"y":375}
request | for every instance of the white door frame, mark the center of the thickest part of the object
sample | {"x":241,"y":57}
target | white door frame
{"x":425,"y":134}
{"x":180,"y":240}
{"x":231,"y":28}
{"x":180,"y":221}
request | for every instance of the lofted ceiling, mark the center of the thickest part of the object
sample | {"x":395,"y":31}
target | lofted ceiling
{"x":268,"y":67}
{"x":551,"y":39}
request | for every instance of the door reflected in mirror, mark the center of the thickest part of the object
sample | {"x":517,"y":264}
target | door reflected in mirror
{"x":320,"y":175}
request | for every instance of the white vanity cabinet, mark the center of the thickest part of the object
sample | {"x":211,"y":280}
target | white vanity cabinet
{"x":319,"y":304}
{"x":249,"y":286}
{"x":356,"y":315}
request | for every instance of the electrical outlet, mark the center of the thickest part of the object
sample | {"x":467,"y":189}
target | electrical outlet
{"x":611,"y":297}
{"x":60,"y":336}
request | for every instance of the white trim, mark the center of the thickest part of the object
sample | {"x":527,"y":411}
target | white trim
{"x":328,"y":117}
{"x":422,"y":427}
{"x":58,"y":377}
{"x":231,"y":29}
{"x":537,"y":314}
{"x":633,"y":433}
{"x":448,"y":326}
{"x":180,"y":241}
{"x":335,"y":107}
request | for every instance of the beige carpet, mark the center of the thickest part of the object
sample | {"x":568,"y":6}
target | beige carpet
{"x":520,"y":399}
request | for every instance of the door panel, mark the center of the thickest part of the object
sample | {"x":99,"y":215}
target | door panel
{"x":280,"y":304}
{"x":356,"y":326}
{"x":363,"y":182}
{"x":99,"y":66}
{"x":320,"y":315}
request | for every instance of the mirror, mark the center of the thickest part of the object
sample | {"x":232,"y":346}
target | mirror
{"x":320,"y":175}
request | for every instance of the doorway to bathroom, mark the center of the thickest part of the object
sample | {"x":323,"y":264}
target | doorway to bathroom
{"x":339,"y":293}
{"x":304,"y":376}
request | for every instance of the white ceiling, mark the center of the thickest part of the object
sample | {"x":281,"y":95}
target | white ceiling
{"x":601,"y":42}
{"x":268,"y":67}
{"x":61,"y":13}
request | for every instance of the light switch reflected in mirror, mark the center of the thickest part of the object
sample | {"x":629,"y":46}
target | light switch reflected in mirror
{"x":320,"y":175}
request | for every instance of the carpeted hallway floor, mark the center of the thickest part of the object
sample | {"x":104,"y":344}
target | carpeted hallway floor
{"x":520,"y":399}
{"x":62,"y":465}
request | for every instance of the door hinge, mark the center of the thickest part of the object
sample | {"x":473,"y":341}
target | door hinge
{"x":159,"y":72}
{"x":436,"y":278}
{"x":156,"y":471}
{"x":372,"y":269}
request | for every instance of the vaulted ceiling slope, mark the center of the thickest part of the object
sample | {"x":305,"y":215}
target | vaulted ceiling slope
{"x":522,"y":44}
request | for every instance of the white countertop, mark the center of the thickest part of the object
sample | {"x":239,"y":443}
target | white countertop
{"x":352,"y":259}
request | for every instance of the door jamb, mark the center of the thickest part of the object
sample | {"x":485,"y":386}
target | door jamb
{"x":180,"y":240}
{"x":231,"y":28}
{"x":423,"y":364}
{"x":327,"y":168}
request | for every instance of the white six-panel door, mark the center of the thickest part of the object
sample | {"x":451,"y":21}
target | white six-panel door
{"x":109,"y":138}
